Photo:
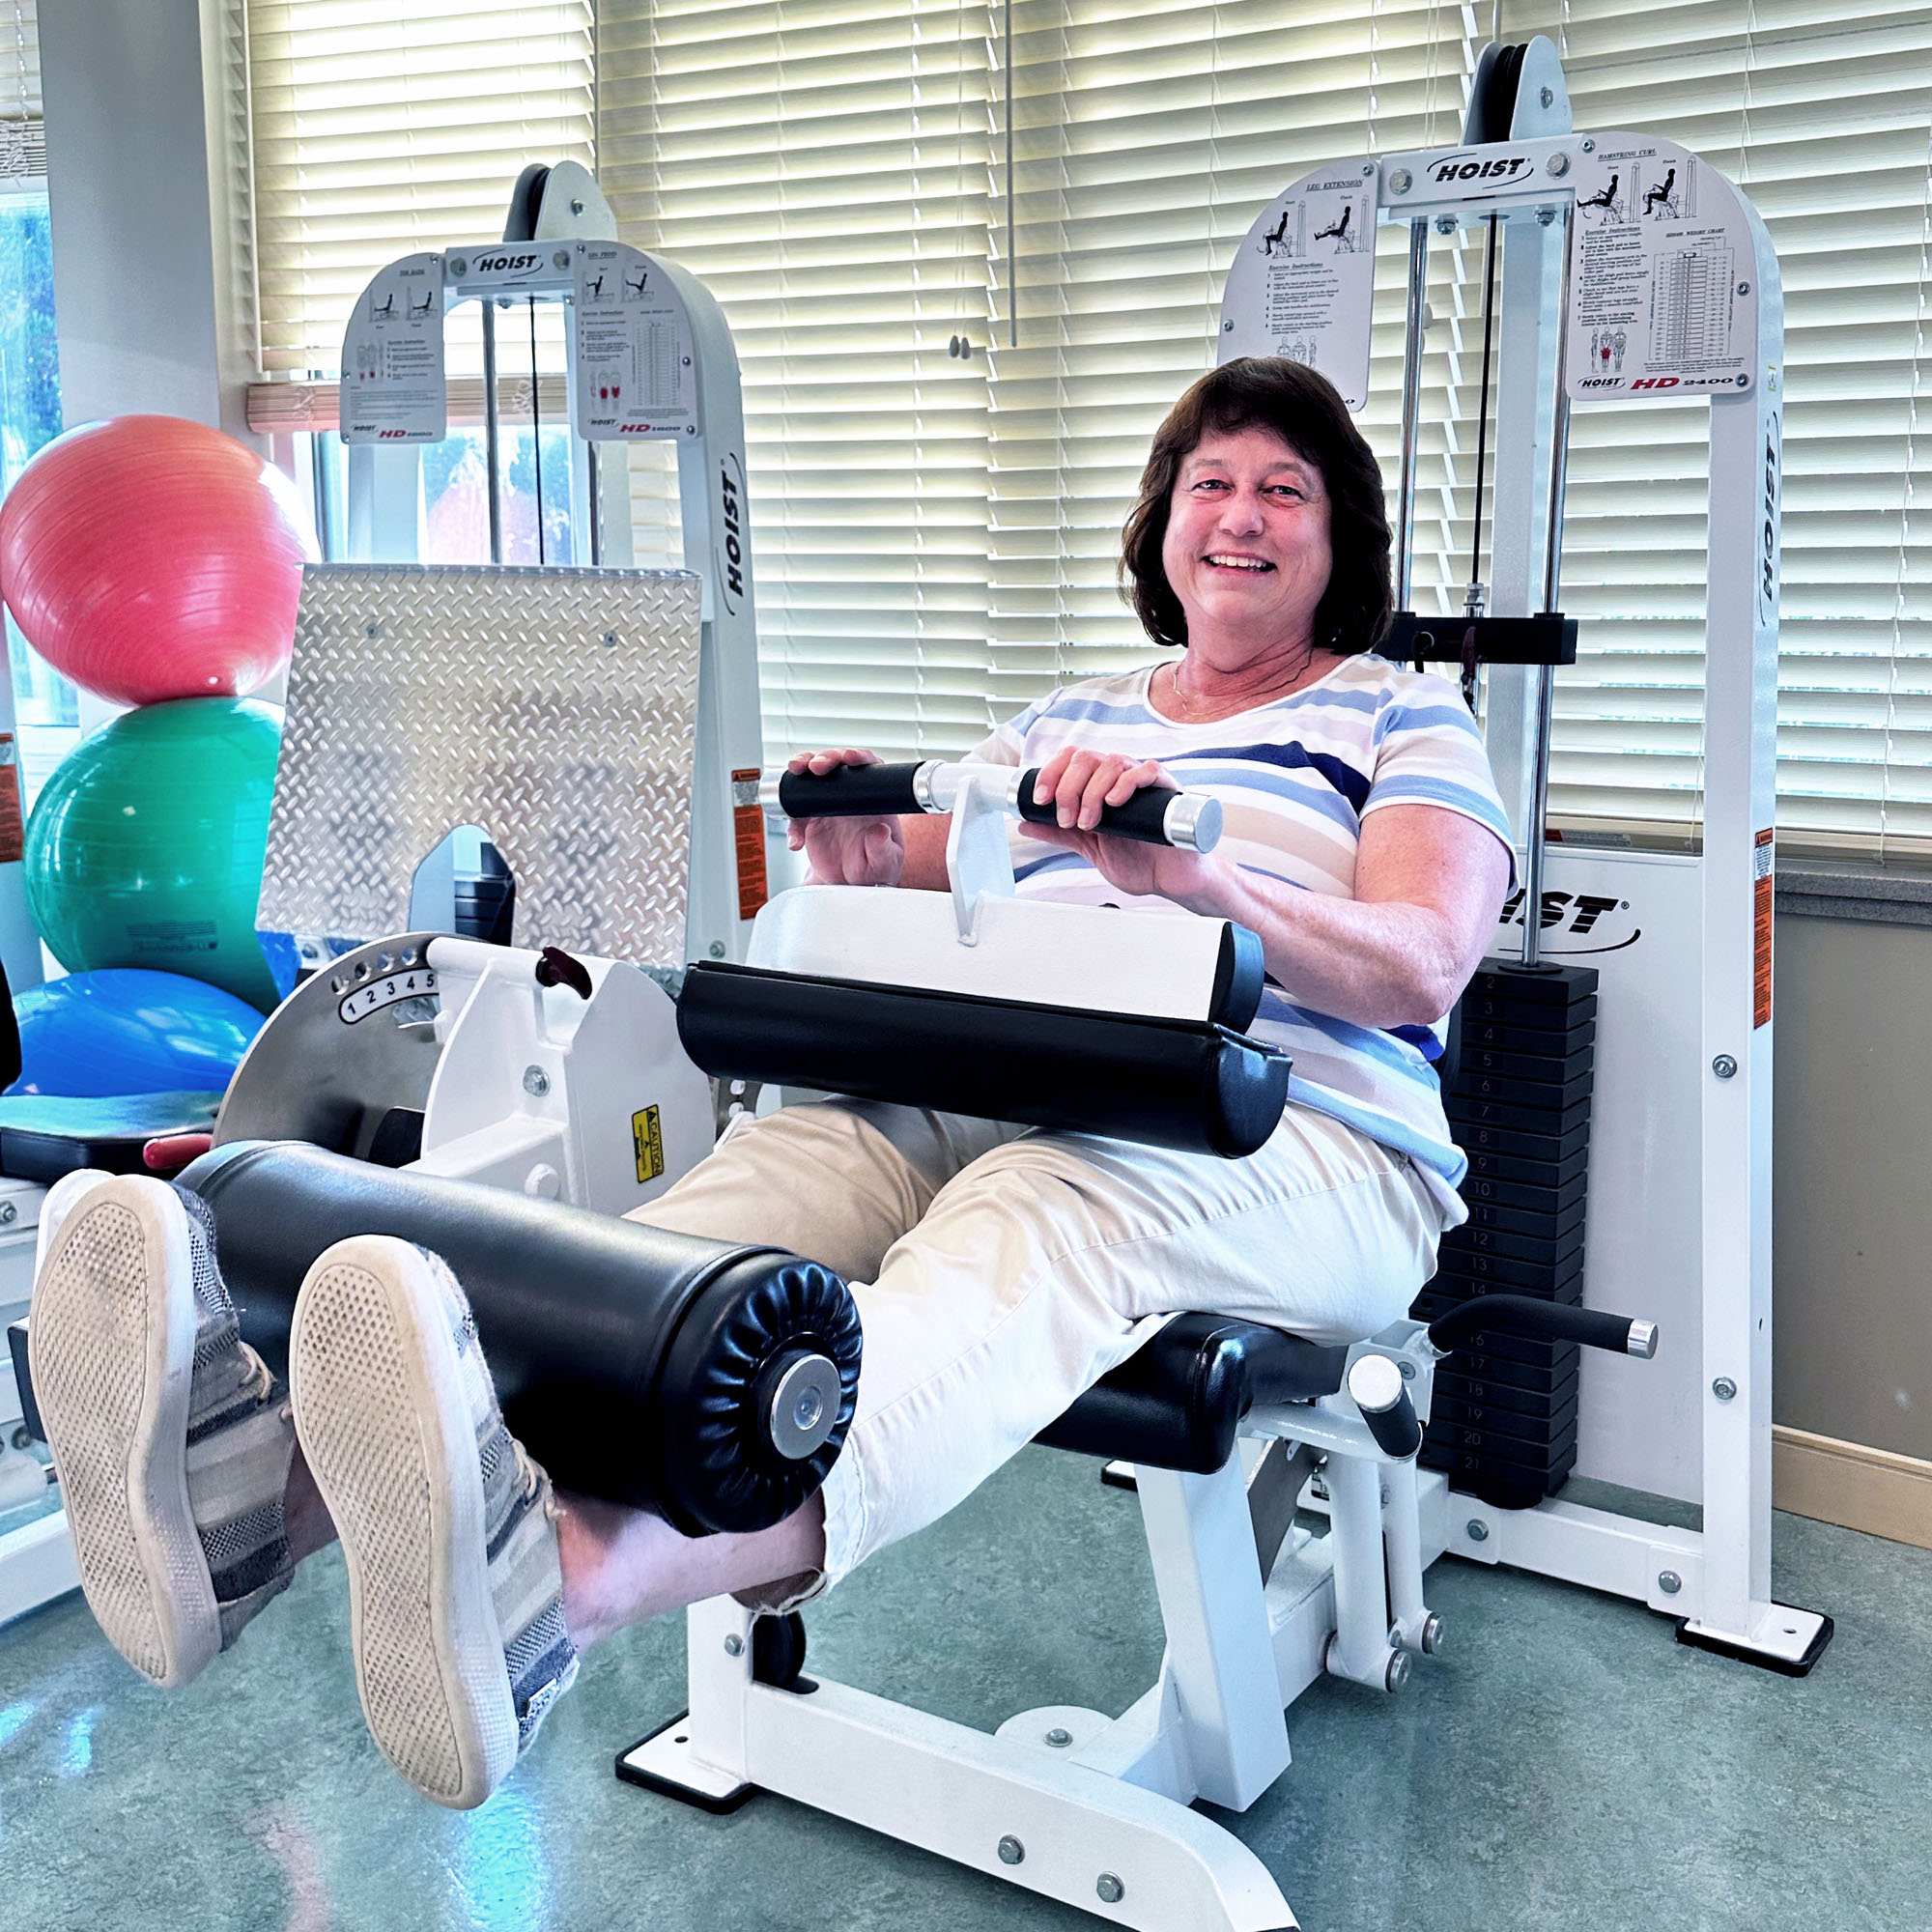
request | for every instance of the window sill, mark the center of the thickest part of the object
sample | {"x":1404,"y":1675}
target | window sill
{"x":1848,"y":889}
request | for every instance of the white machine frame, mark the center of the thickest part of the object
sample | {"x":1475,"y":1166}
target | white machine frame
{"x":707,"y":424}
{"x":729,"y":848}
{"x":1717,"y":1578}
{"x":1092,"y":1810}
{"x":1068,"y":1802}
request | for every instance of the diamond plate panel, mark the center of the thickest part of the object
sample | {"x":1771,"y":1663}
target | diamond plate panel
{"x":557,"y":709}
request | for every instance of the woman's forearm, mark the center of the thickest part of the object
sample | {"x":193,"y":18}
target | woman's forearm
{"x":924,"y":835}
{"x":1377,"y":965}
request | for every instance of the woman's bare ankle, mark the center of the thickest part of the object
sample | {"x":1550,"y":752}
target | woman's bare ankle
{"x":623,"y":1567}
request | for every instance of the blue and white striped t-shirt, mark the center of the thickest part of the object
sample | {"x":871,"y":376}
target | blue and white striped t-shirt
{"x":1296,"y":779}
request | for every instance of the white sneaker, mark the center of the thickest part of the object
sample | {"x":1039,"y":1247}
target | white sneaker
{"x":58,"y":1206}
{"x":448,"y":1525}
{"x":171,"y":1438}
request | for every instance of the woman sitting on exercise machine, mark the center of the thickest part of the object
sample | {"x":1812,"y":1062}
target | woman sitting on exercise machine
{"x":998,"y":1272}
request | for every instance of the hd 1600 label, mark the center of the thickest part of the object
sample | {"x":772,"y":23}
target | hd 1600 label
{"x":376,"y":994}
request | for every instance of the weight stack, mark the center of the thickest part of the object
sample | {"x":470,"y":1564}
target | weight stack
{"x":1503,"y":1422}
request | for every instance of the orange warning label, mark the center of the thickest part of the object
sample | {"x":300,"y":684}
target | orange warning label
{"x":1762,"y":896}
{"x":747,"y":827}
{"x":12,"y":840}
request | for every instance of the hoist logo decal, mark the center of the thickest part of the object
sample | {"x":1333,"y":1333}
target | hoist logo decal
{"x":1578,"y":922}
{"x":503,"y":265}
{"x":1469,"y":168}
{"x":1767,"y":540}
{"x":731,"y":560}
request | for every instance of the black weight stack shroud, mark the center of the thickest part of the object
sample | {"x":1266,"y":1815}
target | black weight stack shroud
{"x":1503,"y":1421}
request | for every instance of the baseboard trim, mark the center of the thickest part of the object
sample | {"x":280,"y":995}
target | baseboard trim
{"x":1845,"y":1482}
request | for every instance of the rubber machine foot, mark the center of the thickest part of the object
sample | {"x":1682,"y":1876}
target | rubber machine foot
{"x":1786,"y":1667}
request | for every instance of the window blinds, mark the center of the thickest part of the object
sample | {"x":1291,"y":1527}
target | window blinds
{"x":935,"y":534}
{"x":821,"y":166}
{"x":1147,"y":138}
{"x":1822,"y":113}
{"x":24,"y":147}
{"x":386,"y":125}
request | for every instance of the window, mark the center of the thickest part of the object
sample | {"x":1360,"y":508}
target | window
{"x":386,"y":125}
{"x":823,"y":170}
{"x":383,"y":127}
{"x":971,"y":253}
{"x":1822,"y":113}
{"x":1145,"y":139}
{"x":46,"y":707}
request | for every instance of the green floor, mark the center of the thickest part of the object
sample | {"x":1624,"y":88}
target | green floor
{"x":1564,"y":1765}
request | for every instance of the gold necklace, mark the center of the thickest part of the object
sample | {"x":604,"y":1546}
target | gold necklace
{"x":1190,"y":715}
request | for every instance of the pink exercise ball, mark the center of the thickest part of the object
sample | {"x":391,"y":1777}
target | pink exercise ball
{"x":149,"y":557}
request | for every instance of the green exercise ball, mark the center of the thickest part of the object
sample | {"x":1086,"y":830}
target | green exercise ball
{"x":146,"y":845}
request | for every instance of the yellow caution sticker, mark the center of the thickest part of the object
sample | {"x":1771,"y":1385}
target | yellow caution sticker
{"x":647,"y":1140}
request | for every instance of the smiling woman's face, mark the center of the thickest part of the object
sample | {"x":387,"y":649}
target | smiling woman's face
{"x":1246,"y":549}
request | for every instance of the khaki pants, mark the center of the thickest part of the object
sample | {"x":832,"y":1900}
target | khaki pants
{"x":1000,"y":1271}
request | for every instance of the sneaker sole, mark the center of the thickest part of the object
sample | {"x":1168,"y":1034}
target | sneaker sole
{"x":111,"y":1345}
{"x":58,"y":1204}
{"x":386,"y":1433}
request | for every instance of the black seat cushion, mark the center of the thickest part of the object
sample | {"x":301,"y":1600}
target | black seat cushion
{"x":1177,"y":1402}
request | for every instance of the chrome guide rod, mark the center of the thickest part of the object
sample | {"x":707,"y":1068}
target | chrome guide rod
{"x":494,"y":491}
{"x":1411,"y":409}
{"x":536,"y":428}
{"x":1552,"y":568}
{"x":1475,"y":597}
{"x":328,"y":539}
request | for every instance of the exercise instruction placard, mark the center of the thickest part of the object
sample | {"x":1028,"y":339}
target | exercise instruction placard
{"x":1303,"y":285}
{"x":634,"y":359}
{"x":1660,"y":276}
{"x":392,"y":369}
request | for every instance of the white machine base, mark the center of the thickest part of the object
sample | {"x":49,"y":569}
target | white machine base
{"x":668,"y":1761}
{"x":1650,"y":1563}
{"x":1092,"y":1811}
{"x":1013,"y":1810}
{"x":37,"y":1565}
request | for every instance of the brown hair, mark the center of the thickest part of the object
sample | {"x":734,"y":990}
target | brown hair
{"x":1304,"y":409}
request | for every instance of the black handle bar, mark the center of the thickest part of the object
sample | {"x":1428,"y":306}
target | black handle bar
{"x":1524,"y":1316}
{"x":872,"y":791}
{"x":849,"y":791}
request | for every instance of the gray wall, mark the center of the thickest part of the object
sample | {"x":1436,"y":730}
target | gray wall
{"x":148,"y":290}
{"x":1853,"y":1204}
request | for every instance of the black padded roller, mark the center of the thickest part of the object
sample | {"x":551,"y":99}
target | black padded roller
{"x":637,"y":1366}
{"x":1181,"y":1084}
